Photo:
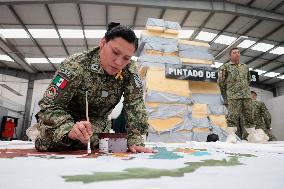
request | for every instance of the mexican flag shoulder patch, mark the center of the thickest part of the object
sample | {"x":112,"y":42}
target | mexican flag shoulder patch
{"x":60,"y":82}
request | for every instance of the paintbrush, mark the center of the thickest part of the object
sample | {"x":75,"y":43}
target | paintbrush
{"x":87,"y":116}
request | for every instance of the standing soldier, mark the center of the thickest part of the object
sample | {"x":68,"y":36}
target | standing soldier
{"x":235,"y":78}
{"x":105,"y":73}
{"x":261,"y":116}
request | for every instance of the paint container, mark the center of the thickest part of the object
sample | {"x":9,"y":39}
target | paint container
{"x":112,"y":142}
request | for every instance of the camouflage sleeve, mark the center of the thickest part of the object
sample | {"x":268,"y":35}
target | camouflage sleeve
{"x":56,"y":121}
{"x":136,"y":115}
{"x":266,"y":115}
{"x":249,"y":76}
{"x":222,"y":78}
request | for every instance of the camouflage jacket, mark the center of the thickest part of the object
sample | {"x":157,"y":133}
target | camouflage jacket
{"x":261,"y":115}
{"x":235,"y":78}
{"x":64,"y":101}
{"x":223,"y":89}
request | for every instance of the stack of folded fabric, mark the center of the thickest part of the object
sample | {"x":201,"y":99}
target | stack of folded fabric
{"x":179,"y":110}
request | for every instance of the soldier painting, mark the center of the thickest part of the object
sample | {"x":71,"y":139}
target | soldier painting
{"x":106,"y":73}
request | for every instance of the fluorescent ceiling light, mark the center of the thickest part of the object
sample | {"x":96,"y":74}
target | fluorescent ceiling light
{"x":36,"y":60}
{"x":185,"y":33}
{"x":56,"y":60}
{"x":14,"y":33}
{"x":260,"y":71}
{"x":246,"y":44}
{"x":271,"y":74}
{"x":278,"y":50}
{"x":262,"y":47}
{"x":69,"y":33}
{"x":224,"y":39}
{"x":206,"y":36}
{"x":43,"y":33}
{"x":281,"y":77}
{"x":216,"y":64}
{"x":95,"y":33}
{"x":6,"y":58}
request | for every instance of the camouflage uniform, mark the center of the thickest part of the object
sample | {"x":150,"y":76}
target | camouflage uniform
{"x":235,"y":78}
{"x":223,"y":90}
{"x":262,"y":118}
{"x":64,"y":104}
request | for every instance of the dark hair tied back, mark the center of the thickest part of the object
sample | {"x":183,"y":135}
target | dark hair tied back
{"x":112,"y":25}
{"x":115,"y":30}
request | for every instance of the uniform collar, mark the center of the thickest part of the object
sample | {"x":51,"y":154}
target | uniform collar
{"x":95,"y":65}
{"x":234,"y":63}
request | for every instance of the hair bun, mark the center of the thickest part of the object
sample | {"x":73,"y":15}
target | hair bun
{"x":112,"y":25}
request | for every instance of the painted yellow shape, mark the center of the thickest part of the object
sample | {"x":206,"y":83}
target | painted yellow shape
{"x":194,"y":61}
{"x":204,"y":87}
{"x":200,"y":130}
{"x":156,"y":81}
{"x":164,"y":124}
{"x":186,"y":150}
{"x":120,"y":155}
{"x":218,"y":120}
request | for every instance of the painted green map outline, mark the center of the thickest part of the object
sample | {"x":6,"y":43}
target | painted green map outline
{"x":142,"y":173}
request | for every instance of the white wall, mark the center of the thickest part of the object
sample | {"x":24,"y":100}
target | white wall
{"x":280,"y":91}
{"x":18,"y":84}
{"x":262,"y":95}
{"x":10,"y":103}
{"x":276,"y":108}
{"x":39,"y":88}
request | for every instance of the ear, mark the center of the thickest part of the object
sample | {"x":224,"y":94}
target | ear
{"x":102,"y":42}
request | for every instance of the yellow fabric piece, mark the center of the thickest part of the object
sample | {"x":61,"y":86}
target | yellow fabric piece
{"x":170,"y":54}
{"x":199,"y":110}
{"x":158,"y":34}
{"x":218,"y":120}
{"x":119,"y":75}
{"x":156,"y":81}
{"x":152,"y":104}
{"x":200,"y":130}
{"x":154,"y":52}
{"x":171,"y":31}
{"x":155,"y":29}
{"x":204,"y":87}
{"x":195,"y":43}
{"x":159,"y":53}
{"x":195,"y":61}
{"x":143,"y":72}
{"x":164,"y":124}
